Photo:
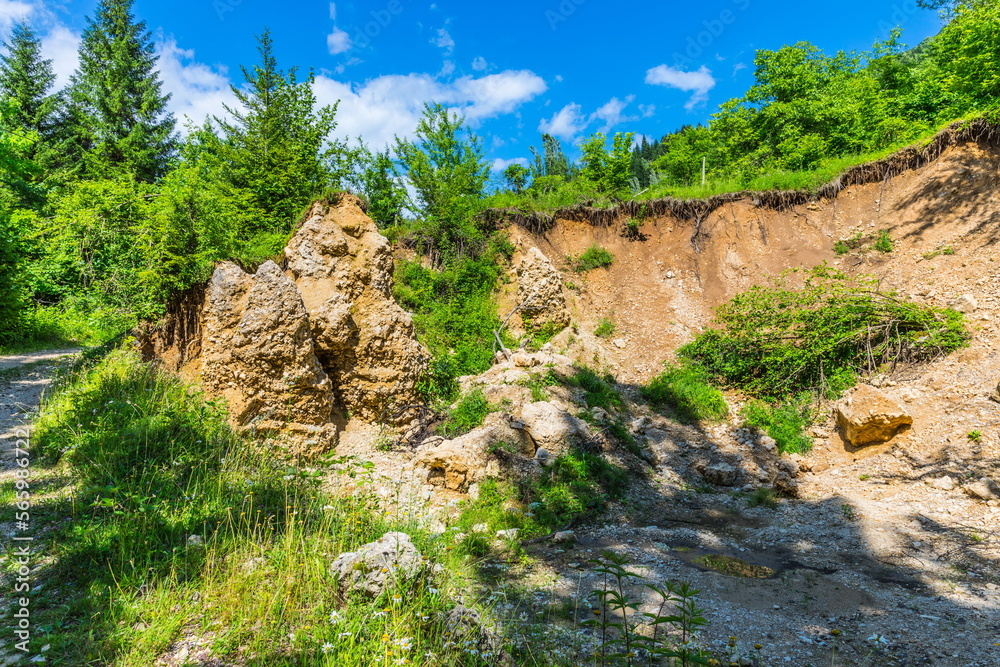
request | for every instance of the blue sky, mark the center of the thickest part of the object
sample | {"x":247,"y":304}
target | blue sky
{"x":515,"y":69}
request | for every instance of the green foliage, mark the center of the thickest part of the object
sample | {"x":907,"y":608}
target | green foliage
{"x":762,"y":497}
{"x":454,"y":314}
{"x":841,"y":247}
{"x":381,"y":187}
{"x":605,"y":328}
{"x":686,"y":390}
{"x":968,"y":51}
{"x":516,"y":176}
{"x":275,"y":147}
{"x":594,"y":257}
{"x":608,"y":170}
{"x":445,"y":166}
{"x":599,"y":390}
{"x":26,"y":81}
{"x":975,"y":436}
{"x":552,"y":162}
{"x":119,"y":115}
{"x":576,"y":484}
{"x":883,"y":242}
{"x":785,"y":421}
{"x":468,"y":413}
{"x":774,"y":341}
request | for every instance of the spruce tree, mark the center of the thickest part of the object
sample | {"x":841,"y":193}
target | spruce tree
{"x":274,"y":146}
{"x":117,"y":109}
{"x":25,"y":81}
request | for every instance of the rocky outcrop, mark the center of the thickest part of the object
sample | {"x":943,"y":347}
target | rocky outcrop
{"x":551,"y":427}
{"x":258,"y":354}
{"x":289,"y":346}
{"x":342,"y":268}
{"x":540,"y":290}
{"x":868,"y":416}
{"x":388,"y":562}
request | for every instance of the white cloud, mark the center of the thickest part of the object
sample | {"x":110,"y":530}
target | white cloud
{"x":391,"y":105}
{"x":338,"y":41}
{"x":500,"y":164}
{"x":566,"y":123}
{"x":444,"y":41}
{"x":480,"y":64}
{"x":197,"y":90}
{"x":737,"y":67}
{"x":698,"y":82}
{"x":333,"y":11}
{"x":61,"y":45}
{"x":447,"y":68}
{"x":12,"y":11}
{"x":612,"y":112}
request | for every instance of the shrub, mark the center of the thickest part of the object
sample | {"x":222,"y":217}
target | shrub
{"x":594,"y":257}
{"x":468,"y":413}
{"x":599,"y":391}
{"x":605,"y":328}
{"x":883,"y":242}
{"x":786,"y":421}
{"x":687,"y":391}
{"x":774,"y":341}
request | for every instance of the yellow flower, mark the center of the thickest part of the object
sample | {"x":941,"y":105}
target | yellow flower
{"x":835,"y":632}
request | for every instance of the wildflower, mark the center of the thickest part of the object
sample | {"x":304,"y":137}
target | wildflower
{"x":406,"y":643}
{"x":327,"y":647}
{"x":397,"y":597}
{"x":732,"y":641}
{"x":835,"y":632}
{"x":328,"y":507}
{"x":335,"y":616}
{"x":432,"y":591}
{"x":378,"y":614}
{"x":342,"y":635}
{"x":757,"y":647}
{"x":878,"y":640}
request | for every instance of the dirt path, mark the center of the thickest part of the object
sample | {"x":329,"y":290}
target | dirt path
{"x":23,"y":379}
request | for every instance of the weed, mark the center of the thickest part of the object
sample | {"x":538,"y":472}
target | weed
{"x":734,"y":567}
{"x":786,"y":421}
{"x":883,"y":242}
{"x":599,"y":391}
{"x":975,"y":436}
{"x":848,"y":512}
{"x":594,"y":257}
{"x":841,"y":247}
{"x":943,"y":250}
{"x":864,"y":477}
{"x":468,"y":413}
{"x":686,"y":390}
{"x":605,"y":328}
{"x":633,"y":229}
{"x":762,"y":497}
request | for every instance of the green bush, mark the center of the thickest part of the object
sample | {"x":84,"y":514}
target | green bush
{"x":883,"y":242}
{"x":687,"y":391}
{"x":599,"y":391}
{"x":785,"y":421}
{"x":605,"y":328}
{"x":594,"y":257}
{"x":775,"y":341}
{"x":468,"y":413}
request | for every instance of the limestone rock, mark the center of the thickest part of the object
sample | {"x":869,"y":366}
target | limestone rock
{"x":390,"y":560}
{"x":720,"y":474}
{"x":550,"y":426}
{"x":342,"y":267}
{"x":965,"y":304}
{"x":540,"y":288}
{"x":564,"y":537}
{"x":258,"y":354}
{"x":868,"y":416}
{"x":945,"y":483}
{"x":456,"y":464}
{"x":984,"y":489}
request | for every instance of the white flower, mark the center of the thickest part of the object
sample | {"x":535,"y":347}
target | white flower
{"x":327,"y":647}
{"x":432,"y":591}
{"x":335,"y":616}
{"x":345,"y":634}
{"x":878,"y":639}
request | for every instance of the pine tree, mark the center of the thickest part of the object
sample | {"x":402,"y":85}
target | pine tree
{"x":25,"y":80}
{"x":274,"y":146}
{"x":118,"y":112}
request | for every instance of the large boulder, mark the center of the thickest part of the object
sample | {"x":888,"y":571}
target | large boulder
{"x":868,"y":416}
{"x":388,"y":562}
{"x":258,"y":354}
{"x":551,"y":427}
{"x":342,"y":267}
{"x":540,"y":290}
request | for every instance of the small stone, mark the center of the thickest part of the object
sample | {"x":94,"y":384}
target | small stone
{"x":196,"y":541}
{"x":619,"y":343}
{"x":481,"y":528}
{"x":564,"y":536}
{"x":965,"y":304}
{"x":509,"y":534}
{"x":984,"y":489}
{"x":945,"y":483}
{"x":474,"y":491}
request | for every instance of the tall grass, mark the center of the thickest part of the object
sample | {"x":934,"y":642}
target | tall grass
{"x":687,"y":390}
{"x":169,"y":527}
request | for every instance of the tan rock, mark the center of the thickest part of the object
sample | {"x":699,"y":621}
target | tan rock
{"x":550,"y":426}
{"x":869,"y":416}
{"x":540,"y":288}
{"x":342,"y":267}
{"x":257,"y":353}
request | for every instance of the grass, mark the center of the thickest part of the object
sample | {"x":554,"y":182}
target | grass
{"x":594,"y":257}
{"x":784,"y":421}
{"x":598,"y":390}
{"x":734,"y":567}
{"x":605,"y":328}
{"x":883,"y":242}
{"x":74,"y":324}
{"x":468,"y":413}
{"x":687,"y":391}
{"x":131,"y":463}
